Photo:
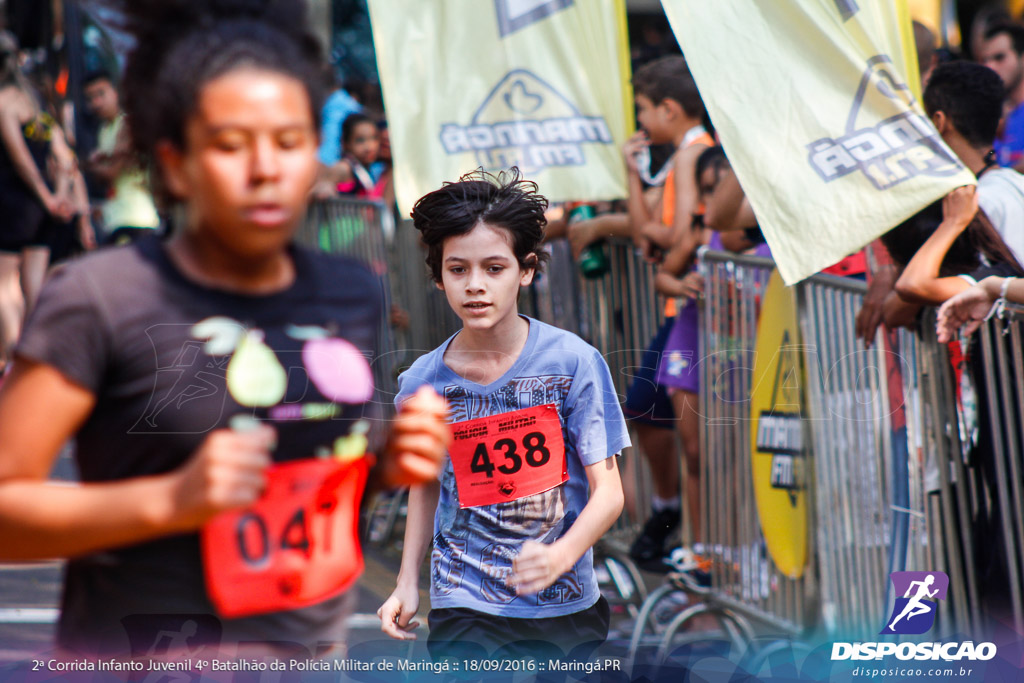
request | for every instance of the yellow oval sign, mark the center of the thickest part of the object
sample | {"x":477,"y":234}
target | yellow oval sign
{"x":778,"y":444}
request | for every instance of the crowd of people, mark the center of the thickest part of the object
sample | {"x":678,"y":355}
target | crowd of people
{"x":222,"y":110}
{"x":965,"y":248}
{"x":62,"y":200}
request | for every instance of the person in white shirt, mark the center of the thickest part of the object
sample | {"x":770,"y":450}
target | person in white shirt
{"x":964,"y":101}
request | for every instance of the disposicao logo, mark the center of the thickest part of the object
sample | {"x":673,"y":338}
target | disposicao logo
{"x":914,"y":613}
{"x":917,"y":601}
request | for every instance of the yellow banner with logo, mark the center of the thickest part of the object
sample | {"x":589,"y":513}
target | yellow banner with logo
{"x":539,"y":84}
{"x":817,"y":106}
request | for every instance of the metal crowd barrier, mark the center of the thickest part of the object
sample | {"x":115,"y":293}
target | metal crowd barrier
{"x":915,"y":466}
{"x":938,"y":434}
{"x":743,"y":582}
{"x":855,"y":459}
{"x":365,"y":231}
{"x":869,"y":506}
{"x":618,"y":314}
{"x":1004,"y":384}
{"x":431,"y":320}
{"x":972,"y":429}
{"x":361,"y":230}
{"x":946,"y":493}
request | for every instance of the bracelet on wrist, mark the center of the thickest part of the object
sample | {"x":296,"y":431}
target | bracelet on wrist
{"x":1005,"y":286}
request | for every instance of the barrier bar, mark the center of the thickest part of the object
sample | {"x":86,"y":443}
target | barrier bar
{"x":1006,"y":450}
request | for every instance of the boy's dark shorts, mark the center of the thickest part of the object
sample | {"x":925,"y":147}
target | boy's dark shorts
{"x":468,"y":634}
{"x":647,"y":401}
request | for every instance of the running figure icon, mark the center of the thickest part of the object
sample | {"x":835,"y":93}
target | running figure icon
{"x":915,"y":606}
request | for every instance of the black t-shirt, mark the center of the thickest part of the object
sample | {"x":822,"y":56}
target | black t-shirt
{"x":122,"y":323}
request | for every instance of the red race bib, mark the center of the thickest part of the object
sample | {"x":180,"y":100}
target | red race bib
{"x":508,"y":456}
{"x":297,"y":546}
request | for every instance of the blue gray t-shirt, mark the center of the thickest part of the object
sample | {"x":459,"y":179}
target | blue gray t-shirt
{"x":473,"y":548}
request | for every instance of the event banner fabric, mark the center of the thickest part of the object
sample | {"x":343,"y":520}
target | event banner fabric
{"x":812,"y":103}
{"x":538,"y":84}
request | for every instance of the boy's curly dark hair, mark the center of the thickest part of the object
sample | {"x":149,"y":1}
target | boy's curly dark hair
{"x":504,"y":200}
{"x":180,"y":45}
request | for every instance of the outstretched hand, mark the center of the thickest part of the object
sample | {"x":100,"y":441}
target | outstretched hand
{"x":968,"y":309}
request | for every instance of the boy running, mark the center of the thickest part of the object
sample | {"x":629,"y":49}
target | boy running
{"x":523,"y":497}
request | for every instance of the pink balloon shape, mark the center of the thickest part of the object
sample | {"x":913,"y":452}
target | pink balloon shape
{"x":338,"y":370}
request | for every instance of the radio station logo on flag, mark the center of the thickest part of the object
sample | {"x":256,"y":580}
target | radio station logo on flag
{"x":525,"y":122}
{"x":914,"y":612}
{"x":896,"y":149}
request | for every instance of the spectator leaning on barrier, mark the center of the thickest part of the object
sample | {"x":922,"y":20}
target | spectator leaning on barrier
{"x":1003,"y":51}
{"x":971,"y":307}
{"x":680,"y":367}
{"x":669,"y":110}
{"x":964,"y":101}
{"x":944,"y":249}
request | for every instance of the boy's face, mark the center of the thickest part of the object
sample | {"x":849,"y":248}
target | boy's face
{"x":481,"y":277}
{"x":653,"y":118}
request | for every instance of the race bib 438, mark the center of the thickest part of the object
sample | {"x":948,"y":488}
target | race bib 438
{"x":508,"y":456}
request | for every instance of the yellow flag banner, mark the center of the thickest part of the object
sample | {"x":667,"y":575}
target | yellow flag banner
{"x":539,"y":84}
{"x":817,"y":112}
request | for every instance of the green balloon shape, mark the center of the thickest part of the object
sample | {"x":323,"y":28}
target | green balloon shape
{"x":256,"y":378}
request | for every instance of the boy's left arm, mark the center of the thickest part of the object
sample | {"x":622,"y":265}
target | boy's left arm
{"x":539,"y":565}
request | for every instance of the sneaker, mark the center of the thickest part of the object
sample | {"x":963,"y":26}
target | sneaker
{"x":649,"y":546}
{"x":690,"y":568}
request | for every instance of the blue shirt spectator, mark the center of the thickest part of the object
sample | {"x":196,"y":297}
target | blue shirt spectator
{"x":336,"y":109}
{"x":1010,"y":147}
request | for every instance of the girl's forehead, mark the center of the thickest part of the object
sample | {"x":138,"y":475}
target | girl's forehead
{"x":253,"y":94}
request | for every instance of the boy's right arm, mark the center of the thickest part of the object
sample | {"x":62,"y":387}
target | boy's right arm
{"x":397,"y":611}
